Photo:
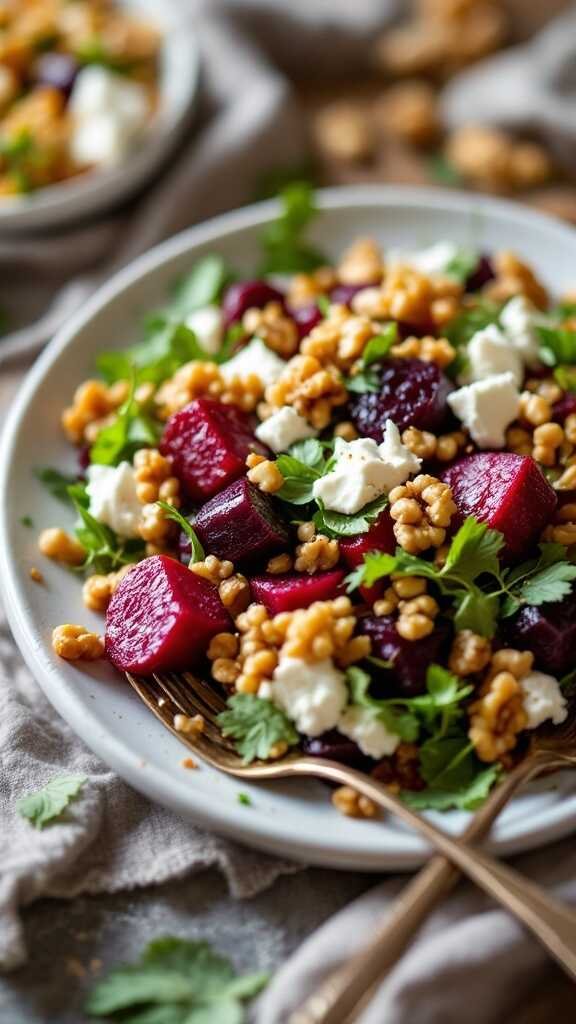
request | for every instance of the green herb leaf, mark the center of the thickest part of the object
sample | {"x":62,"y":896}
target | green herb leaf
{"x":464,"y":326}
{"x":167,"y":345}
{"x":323,"y":303}
{"x":256,"y":725}
{"x":283,"y":243}
{"x":197,"y":551}
{"x":301,"y":466}
{"x":366,"y":378}
{"x":542,"y":580}
{"x":397,"y":720}
{"x":337,"y":524}
{"x":244,"y":799}
{"x":474,"y":551}
{"x":27,"y":521}
{"x":477,"y":611}
{"x":202,"y":286}
{"x":468,"y":796}
{"x":132,"y":429}
{"x":93,"y":51}
{"x":566,"y":378}
{"x":48,"y":803}
{"x":442,"y":170}
{"x":175,"y":982}
{"x":55,"y":482}
{"x":558,"y":345}
{"x":104,"y":550}
{"x":462,"y":265}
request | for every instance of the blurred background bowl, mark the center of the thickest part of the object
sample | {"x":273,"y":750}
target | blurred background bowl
{"x":100,"y":190}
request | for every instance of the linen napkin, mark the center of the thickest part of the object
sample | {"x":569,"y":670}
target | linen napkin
{"x":114,"y":838}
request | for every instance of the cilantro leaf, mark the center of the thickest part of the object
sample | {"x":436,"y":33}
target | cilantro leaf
{"x":337,"y":524}
{"x":558,"y":345}
{"x":285,"y":250}
{"x":175,"y":982}
{"x":256,"y":725}
{"x":48,"y":803}
{"x":548,"y":578}
{"x":477,"y":611}
{"x":366,"y":377}
{"x":132,"y":429}
{"x":55,"y":482}
{"x":474,"y":551}
{"x":203,"y":285}
{"x":197,"y":551}
{"x":104,"y":550}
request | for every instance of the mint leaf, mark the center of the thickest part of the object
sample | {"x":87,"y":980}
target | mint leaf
{"x":55,"y":482}
{"x":175,"y":982}
{"x":203,"y":285}
{"x":48,"y":803}
{"x":337,"y":524}
{"x":197,"y":551}
{"x":256,"y":725}
{"x":285,"y":248}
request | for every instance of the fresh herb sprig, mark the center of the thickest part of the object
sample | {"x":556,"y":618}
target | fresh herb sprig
{"x":105,"y":551}
{"x":196,"y":550}
{"x":256,"y":725}
{"x":366,"y":376}
{"x":133,"y":428}
{"x":48,"y":804}
{"x":285,"y":248}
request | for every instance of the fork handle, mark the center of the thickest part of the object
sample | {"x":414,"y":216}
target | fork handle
{"x":552,"y":923}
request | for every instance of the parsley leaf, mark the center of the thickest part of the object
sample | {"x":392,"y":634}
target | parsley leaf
{"x":337,"y":524}
{"x":397,"y":720}
{"x":55,"y":482}
{"x":202,"y":286}
{"x":104,"y":550}
{"x":301,"y":466}
{"x":542,"y":580}
{"x":175,"y":982}
{"x":132,"y":429}
{"x":473,"y":551}
{"x":558,"y":345}
{"x":256,"y":725}
{"x":285,"y":250}
{"x":48,"y":803}
{"x":197,"y":551}
{"x":366,"y":378}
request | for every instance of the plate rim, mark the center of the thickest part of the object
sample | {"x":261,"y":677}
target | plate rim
{"x":115,"y":750}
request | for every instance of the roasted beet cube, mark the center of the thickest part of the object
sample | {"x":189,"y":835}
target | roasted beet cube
{"x":566,"y":406}
{"x":241,"y":524}
{"x":411,"y":393}
{"x":410,"y":658}
{"x":208,"y":443}
{"x":336,"y":747}
{"x":549,"y":631}
{"x":380,"y":537}
{"x":296,"y":590}
{"x":162,"y":618}
{"x":243,"y":295}
{"x":507,"y":492}
{"x":481,"y":275}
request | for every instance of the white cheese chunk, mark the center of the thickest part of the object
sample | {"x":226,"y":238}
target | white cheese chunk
{"x":107,"y":112}
{"x":543,"y":699}
{"x":490,"y":352}
{"x":434,"y":259}
{"x":112,"y":494}
{"x":256,"y":358}
{"x":313,"y":695}
{"x":208,"y":326}
{"x":364,"y":727}
{"x":486,"y":408}
{"x":364,"y":471}
{"x":520,"y":320}
{"x":283,"y":428}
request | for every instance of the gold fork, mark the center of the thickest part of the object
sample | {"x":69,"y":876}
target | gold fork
{"x":169,"y":694}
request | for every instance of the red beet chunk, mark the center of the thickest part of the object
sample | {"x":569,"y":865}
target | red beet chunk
{"x":241,"y":524}
{"x":566,"y":406}
{"x":412,"y":393}
{"x":162,"y":618}
{"x":285,"y":593}
{"x":336,"y":747}
{"x":245,"y":295}
{"x":549,"y":631}
{"x":410,"y":658}
{"x":481,"y":275}
{"x":507,"y":492}
{"x":208,"y":443}
{"x":380,"y":537}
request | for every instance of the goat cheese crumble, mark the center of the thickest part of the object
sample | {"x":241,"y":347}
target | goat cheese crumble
{"x":434,"y":259}
{"x":520,"y":320}
{"x":487,"y":408}
{"x":490,"y":353}
{"x":312,"y":695}
{"x":113,"y":501}
{"x":543,"y":699}
{"x":283,"y":428}
{"x":256,"y":358}
{"x":108,"y":113}
{"x":365,"y":470}
{"x":370,"y":733}
{"x":208,"y":326}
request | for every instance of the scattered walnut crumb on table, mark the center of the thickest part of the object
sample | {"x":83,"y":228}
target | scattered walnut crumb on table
{"x":36,"y":575}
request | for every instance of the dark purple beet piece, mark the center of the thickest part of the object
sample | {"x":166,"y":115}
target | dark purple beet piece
{"x":241,"y":524}
{"x":549,"y":631}
{"x":58,"y":70}
{"x":306,"y":318}
{"x":243,"y":295}
{"x":162,"y":618}
{"x":412,"y":393}
{"x":507,"y":492}
{"x":208,"y":443}
{"x":565,"y":407}
{"x":410,"y":658}
{"x":343,"y":294}
{"x":296,"y":590}
{"x":481,"y":275}
{"x":336,"y":747}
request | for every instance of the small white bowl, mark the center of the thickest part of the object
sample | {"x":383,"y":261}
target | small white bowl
{"x":294,"y":818}
{"x":98,"y":191}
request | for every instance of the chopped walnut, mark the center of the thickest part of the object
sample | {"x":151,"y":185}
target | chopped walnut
{"x":93,"y":402}
{"x":409,"y":111}
{"x":470,"y":653}
{"x":305,"y":289}
{"x":276,"y":330}
{"x":154,"y":478}
{"x":353,"y":804}
{"x":264,"y":473}
{"x":431,"y":350}
{"x":343,"y":131}
{"x":280,"y":564}
{"x":312,"y":389}
{"x":213,"y":569}
{"x":76,"y":643}
{"x":406,"y":294}
{"x":199,"y":379}
{"x":513,"y":277}
{"x":491,"y":159}
{"x":59,"y":545}
{"x":317,"y":554}
{"x":339,"y":339}
{"x":362,"y":263}
{"x":416,"y":618}
{"x":421,"y":509}
{"x":498,"y":715}
{"x":234,"y":593}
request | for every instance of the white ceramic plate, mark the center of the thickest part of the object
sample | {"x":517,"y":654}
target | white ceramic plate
{"x":97,"y":191}
{"x":292,"y":819}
